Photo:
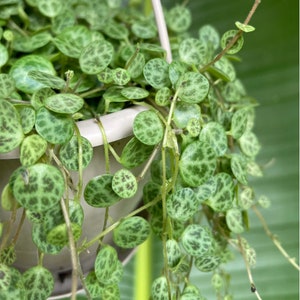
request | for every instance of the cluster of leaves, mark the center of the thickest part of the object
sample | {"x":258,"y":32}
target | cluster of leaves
{"x":62,"y":61}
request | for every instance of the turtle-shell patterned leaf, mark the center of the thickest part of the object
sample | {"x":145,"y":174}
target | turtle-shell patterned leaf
{"x":27,"y":116}
{"x":226,"y":69}
{"x":148,"y":128}
{"x":50,"y":8}
{"x":105,"y":76}
{"x":7,"y":85}
{"x":234,"y":220}
{"x":38,"y":283}
{"x":163,"y":96}
{"x":239,"y":122}
{"x":244,"y":27}
{"x":207,"y":263}
{"x":159,"y":288}
{"x":183,"y":112}
{"x":134,"y":93}
{"x":46,"y":79}
{"x":16,"y":287}
{"x":120,"y":76}
{"x":205,"y":190}
{"x":69,"y":153}
{"x":135,"y":65}
{"x":144,"y":29}
{"x":197,"y":163}
{"x":179,"y":18}
{"x":124,"y":183}
{"x":249,"y":144}
{"x":63,"y":20}
{"x":11,"y":132}
{"x":238,"y":165}
{"x":131,"y":232}
{"x":93,"y":285}
{"x":214,"y":134}
{"x":196,"y":240}
{"x":254,"y":169}
{"x":176,"y":69}
{"x":5,"y":279}
{"x":72,"y":40}
{"x":217,"y":282}
{"x":116,"y":276}
{"x":39,"y":187}
{"x":135,"y":153}
{"x":106,"y":263}
{"x":32,"y":149}
{"x":191,"y":291}
{"x":31,"y":43}
{"x":264,"y":201}
{"x":38,"y":97}
{"x":227,"y":37}
{"x":99,"y":193}
{"x":193,"y":52}
{"x":115,"y":30}
{"x":156,"y":73}
{"x":22,"y":66}
{"x":8,"y":201}
{"x":193,"y":87}
{"x":222,"y":199}
{"x":182,"y":205}
{"x":233,"y":91}
{"x":96,"y":56}
{"x":4,"y":56}
{"x":174,"y":253}
{"x":246,"y":198}
{"x":210,"y":35}
{"x":111,"y":291}
{"x":8,"y":255}
{"x":54,"y":128}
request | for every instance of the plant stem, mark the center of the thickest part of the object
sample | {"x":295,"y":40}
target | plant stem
{"x":274,"y":239}
{"x":80,"y":167}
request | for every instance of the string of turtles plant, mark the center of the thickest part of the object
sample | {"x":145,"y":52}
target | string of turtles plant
{"x":63,"y":61}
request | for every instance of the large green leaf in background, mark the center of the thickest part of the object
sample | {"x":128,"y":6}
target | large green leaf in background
{"x":269,"y":70}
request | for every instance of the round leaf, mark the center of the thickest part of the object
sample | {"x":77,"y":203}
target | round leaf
{"x":198,"y":163}
{"x":120,"y":76}
{"x":131,"y":232}
{"x":64,"y":103}
{"x":3,"y":55}
{"x":227,"y":37}
{"x":92,"y":284}
{"x":163,"y":96}
{"x":50,"y":8}
{"x":193,"y":52}
{"x":159,"y":288}
{"x":249,"y":144}
{"x":148,"y":128}
{"x":39,"y":187}
{"x":29,"y":44}
{"x":205,"y":190}
{"x":7,"y":85}
{"x":144,"y":29}
{"x":210,"y":35}
{"x":239,"y":123}
{"x":46,"y":79}
{"x":27,"y":116}
{"x":239,"y":168}
{"x":244,"y":27}
{"x":183,"y":112}
{"x":179,"y":18}
{"x":234,"y":220}
{"x":135,"y":65}
{"x":99,"y":193}
{"x":193,"y":87}
{"x":246,"y":198}
{"x":5,"y":278}
{"x":124,"y":183}
{"x":207,"y":263}
{"x":173,"y":252}
{"x":134,"y":93}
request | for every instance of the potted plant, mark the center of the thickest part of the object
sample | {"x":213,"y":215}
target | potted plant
{"x":65,"y":65}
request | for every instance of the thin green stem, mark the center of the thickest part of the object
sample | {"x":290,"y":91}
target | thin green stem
{"x":80,"y":166}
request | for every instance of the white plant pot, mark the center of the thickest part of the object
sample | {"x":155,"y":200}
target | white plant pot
{"x":118,"y":128}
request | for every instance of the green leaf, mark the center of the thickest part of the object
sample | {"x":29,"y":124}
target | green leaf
{"x":7,"y":85}
{"x":50,"y":8}
{"x":244,"y":27}
{"x":11,"y":133}
{"x":39,"y":187}
{"x":47,"y":79}
{"x":32,"y":149}
{"x":174,"y":253}
{"x":38,"y":283}
{"x":193,"y":87}
{"x":54,"y":128}
{"x":16,"y":287}
{"x":156,"y":72}
{"x":210,"y":35}
{"x":38,"y":97}
{"x":99,"y":193}
{"x":148,"y":128}
{"x":120,"y":76}
{"x":64,"y":103}
{"x":27,"y":116}
{"x":198,"y":163}
{"x":207,"y":263}
{"x":134,"y":93}
{"x":193,"y":52}
{"x":69,"y":153}
{"x":246,"y":198}
{"x":205,"y":190}
{"x":227,"y":37}
{"x":29,"y":44}
{"x":22,"y":66}
{"x":135,"y":65}
{"x":5,"y":278}
{"x":249,"y":144}
{"x":224,"y":70}
{"x":179,"y":18}
{"x":144,"y":29}
{"x":115,"y":30}
{"x":182,"y":205}
{"x":4,"y":56}
{"x":238,"y":165}
{"x":159,"y":288}
{"x":124,"y":183}
{"x":92,"y":284}
{"x":131,"y":232}
{"x":8,"y":201}
{"x":234,"y":220}
{"x":163,"y":96}
{"x":239,"y":122}
{"x":96,"y":56}
{"x":196,"y":240}
{"x":183,"y":112}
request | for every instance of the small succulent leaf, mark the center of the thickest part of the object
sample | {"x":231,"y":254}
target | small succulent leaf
{"x":205,"y":190}
{"x":99,"y":193}
{"x":7,"y":85}
{"x":4,"y":56}
{"x":227,"y":37}
{"x":250,"y":254}
{"x":113,"y":94}
{"x":214,"y":134}
{"x":5,"y":278}
{"x":34,"y":217}
{"x":159,"y":289}
{"x":8,"y":201}
{"x":179,"y":18}
{"x":115,"y":30}
{"x":239,"y":123}
{"x":249,"y":144}
{"x":246,"y":198}
{"x":182,"y":205}
{"x":234,"y":220}
{"x":105,"y":76}
{"x":191,"y":289}
{"x":233,"y":91}
{"x":193,"y":87}
{"x":54,"y":128}
{"x":197,"y":164}
{"x":217,"y":282}
{"x":222,"y":199}
{"x":148,"y":128}
{"x":134,"y":93}
{"x":183,"y":112}
{"x":11,"y":132}
{"x":120,"y":76}
{"x":22,"y":66}
{"x":8,"y":255}
{"x":264,"y":201}
{"x":174,"y":253}
{"x":131,"y":232}
{"x":156,"y":73}
{"x":63,"y":20}
{"x":32,"y":149}
{"x":163,"y":96}
{"x":176,"y":70}
{"x":16,"y":287}
{"x":69,"y":153}
{"x":209,"y":35}
{"x":50,"y":8}
{"x":116,"y":276}
{"x":38,"y":97}
{"x":207,"y":263}
{"x":224,"y":69}
{"x":39,"y":187}
{"x":244,"y":27}
{"x":29,"y":44}
{"x":111,"y":291}
{"x":106,"y":263}
{"x":27,"y":117}
{"x":93,"y":286}
{"x":38,"y":283}
{"x":196,"y":240}
{"x":124,"y":183}
{"x":144,"y":29}
{"x":64,"y":103}
{"x":135,"y":153}
{"x":193,"y":52}
{"x":254,"y":169}
{"x":135,"y":65}
{"x":72,"y":40}
{"x":46,"y":79}
{"x":238,"y":165}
